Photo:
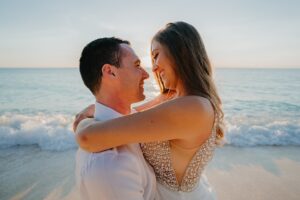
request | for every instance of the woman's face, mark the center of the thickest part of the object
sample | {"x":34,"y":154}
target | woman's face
{"x":162,"y":65}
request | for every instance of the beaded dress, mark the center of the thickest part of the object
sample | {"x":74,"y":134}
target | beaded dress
{"x":194,"y":184}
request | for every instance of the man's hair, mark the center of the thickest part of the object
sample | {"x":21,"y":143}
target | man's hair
{"x":95,"y":55}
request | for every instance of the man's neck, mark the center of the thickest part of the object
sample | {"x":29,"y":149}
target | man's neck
{"x":114,"y":103}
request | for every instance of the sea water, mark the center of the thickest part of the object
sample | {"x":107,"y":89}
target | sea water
{"x":37,"y":106}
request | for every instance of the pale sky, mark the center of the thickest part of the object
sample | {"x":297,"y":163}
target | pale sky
{"x":236,"y":33}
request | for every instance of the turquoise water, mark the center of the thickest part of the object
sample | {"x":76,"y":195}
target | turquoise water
{"x":37,"y":106}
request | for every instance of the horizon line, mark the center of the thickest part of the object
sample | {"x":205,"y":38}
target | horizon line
{"x":293,"y":67}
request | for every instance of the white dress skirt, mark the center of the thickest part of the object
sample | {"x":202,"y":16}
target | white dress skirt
{"x":202,"y":191}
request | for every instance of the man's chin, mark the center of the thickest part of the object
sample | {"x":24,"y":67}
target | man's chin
{"x":140,"y":98}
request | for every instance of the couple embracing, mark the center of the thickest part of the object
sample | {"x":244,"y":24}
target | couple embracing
{"x":159,"y":149}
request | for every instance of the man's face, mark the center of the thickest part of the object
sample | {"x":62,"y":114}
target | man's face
{"x":131,"y":75}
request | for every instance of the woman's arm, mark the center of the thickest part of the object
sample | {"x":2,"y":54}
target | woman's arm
{"x":89,"y":111}
{"x":181,"y":118}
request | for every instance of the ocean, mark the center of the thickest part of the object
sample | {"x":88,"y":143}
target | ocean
{"x":37,"y":106}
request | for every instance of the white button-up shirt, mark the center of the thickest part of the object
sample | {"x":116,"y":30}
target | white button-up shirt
{"x":118,"y":174}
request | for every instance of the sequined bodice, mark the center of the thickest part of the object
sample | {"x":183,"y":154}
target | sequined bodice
{"x":158,"y":155}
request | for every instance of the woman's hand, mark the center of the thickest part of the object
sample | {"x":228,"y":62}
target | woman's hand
{"x":88,"y":112}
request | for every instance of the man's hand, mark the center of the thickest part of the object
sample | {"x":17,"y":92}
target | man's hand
{"x":168,"y":95}
{"x":88,"y":112}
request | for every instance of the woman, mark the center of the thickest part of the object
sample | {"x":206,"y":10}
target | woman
{"x":178,"y":136}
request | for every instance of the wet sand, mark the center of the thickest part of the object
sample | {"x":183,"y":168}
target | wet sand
{"x":258,"y":173}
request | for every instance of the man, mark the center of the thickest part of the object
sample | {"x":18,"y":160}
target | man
{"x":111,"y":70}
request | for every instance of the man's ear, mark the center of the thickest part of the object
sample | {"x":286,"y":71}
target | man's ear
{"x":108,"y":70}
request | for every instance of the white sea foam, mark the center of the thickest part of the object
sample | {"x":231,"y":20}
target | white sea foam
{"x":54,"y":132}
{"x":268,"y":132}
{"x":49,"y":132}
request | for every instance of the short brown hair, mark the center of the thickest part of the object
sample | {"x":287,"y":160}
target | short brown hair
{"x":95,"y":55}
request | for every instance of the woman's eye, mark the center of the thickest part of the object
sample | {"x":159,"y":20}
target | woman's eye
{"x":155,"y":56}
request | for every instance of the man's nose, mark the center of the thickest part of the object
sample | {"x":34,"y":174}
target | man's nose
{"x":145,"y":74}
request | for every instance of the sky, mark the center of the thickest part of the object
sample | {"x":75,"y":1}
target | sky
{"x":236,"y":33}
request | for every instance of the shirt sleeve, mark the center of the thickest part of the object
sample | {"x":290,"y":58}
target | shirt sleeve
{"x":114,"y":176}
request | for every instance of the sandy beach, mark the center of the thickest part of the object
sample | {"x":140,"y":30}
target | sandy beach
{"x":259,"y":173}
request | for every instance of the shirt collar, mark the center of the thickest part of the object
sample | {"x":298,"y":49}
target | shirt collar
{"x":103,"y":112}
